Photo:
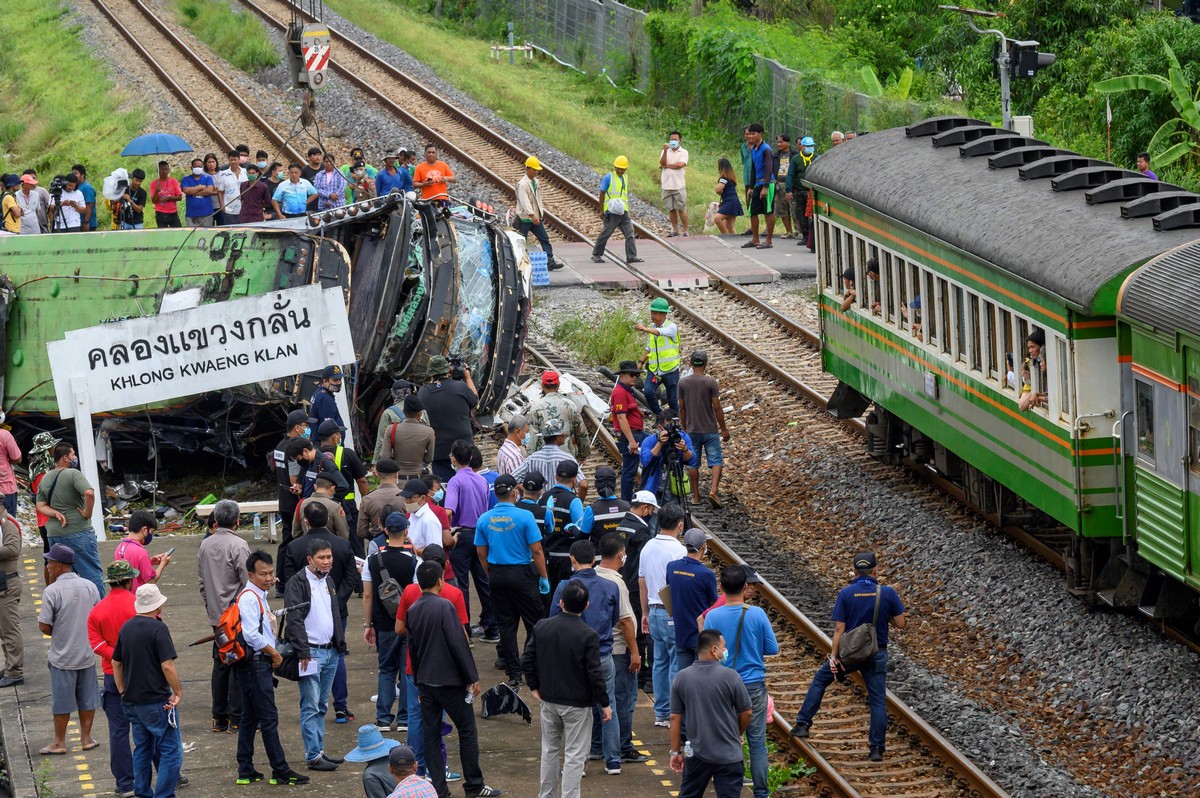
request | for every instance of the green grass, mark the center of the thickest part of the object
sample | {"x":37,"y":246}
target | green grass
{"x":778,"y":775}
{"x":582,"y":116}
{"x":234,"y":33}
{"x":602,"y":340}
{"x":48,"y":123}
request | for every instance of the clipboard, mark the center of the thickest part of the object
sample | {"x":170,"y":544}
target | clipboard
{"x":664,"y":595}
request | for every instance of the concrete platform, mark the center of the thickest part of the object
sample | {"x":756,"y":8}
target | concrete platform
{"x":740,"y":266}
{"x":510,"y":752}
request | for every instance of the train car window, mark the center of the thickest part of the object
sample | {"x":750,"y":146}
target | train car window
{"x":1145,"y":418}
{"x":867,"y":293}
{"x":827,"y":258}
{"x":1012,"y":358}
{"x":903,"y":295}
{"x":929,"y":316}
{"x":974,"y":336}
{"x":1064,"y":377}
{"x":991,"y":343}
{"x":888,"y":286}
{"x":944,"y":299}
{"x":961,"y":322}
{"x":839,"y":262}
{"x":1193,"y":426}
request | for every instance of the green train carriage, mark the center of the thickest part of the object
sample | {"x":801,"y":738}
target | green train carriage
{"x":982,"y":237}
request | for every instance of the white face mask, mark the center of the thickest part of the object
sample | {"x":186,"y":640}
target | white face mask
{"x":197,"y":170}
{"x":624,"y":558}
{"x":412,"y":507}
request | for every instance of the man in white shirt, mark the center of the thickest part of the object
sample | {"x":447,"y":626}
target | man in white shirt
{"x":229,"y":183}
{"x":673,"y":166}
{"x":67,"y":209}
{"x":662,"y":549}
{"x":424,"y":528}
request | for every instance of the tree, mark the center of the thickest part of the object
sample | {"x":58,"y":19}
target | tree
{"x":1177,"y":136}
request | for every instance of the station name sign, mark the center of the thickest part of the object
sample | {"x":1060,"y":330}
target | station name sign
{"x":205,"y":348}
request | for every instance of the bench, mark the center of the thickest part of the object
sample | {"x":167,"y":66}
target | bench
{"x":271,"y":508}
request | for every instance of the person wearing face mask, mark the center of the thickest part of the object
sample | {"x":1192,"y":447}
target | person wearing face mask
{"x":693,"y":587}
{"x":199,"y":189}
{"x":132,"y":549}
{"x":718,"y":710}
{"x":273,"y":174}
{"x":256,"y":197}
{"x":424,"y":528}
{"x":672,"y":165}
{"x":627,"y":660}
{"x":362,"y":185}
{"x":66,"y":499}
{"x":322,"y":405}
{"x":229,"y":181}
{"x":287,"y":475}
{"x":796,"y":191}
{"x":749,"y":637}
{"x":634,"y":531}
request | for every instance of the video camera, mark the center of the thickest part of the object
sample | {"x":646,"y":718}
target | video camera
{"x":458,"y":367}
{"x":56,"y":187}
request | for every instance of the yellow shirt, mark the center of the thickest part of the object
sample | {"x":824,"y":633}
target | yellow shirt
{"x":11,"y":222}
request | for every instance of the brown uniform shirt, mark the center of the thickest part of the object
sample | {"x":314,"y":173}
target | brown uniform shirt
{"x":337,"y":517}
{"x":412,"y":449}
{"x":374,"y":509}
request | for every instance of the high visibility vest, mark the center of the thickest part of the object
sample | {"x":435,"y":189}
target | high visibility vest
{"x":618,"y":189}
{"x":663,"y":353}
{"x":337,"y":461}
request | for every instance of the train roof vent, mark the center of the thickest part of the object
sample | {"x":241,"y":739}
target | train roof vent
{"x":1186,"y":216}
{"x":990,"y":145}
{"x":940,"y":124}
{"x":1019,"y":156}
{"x":1126,"y":189}
{"x":1056,"y":165}
{"x":961,"y":135}
{"x":1089,"y":177}
{"x":1158,"y":203}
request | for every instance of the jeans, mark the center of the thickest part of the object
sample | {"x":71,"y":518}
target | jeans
{"x":539,"y":232}
{"x":452,"y":701}
{"x":120,"y":757}
{"x":626,"y":685}
{"x":464,"y":558}
{"x":606,"y":737}
{"x":683,"y":658}
{"x":710,"y":444}
{"x":726,"y":779}
{"x":874,"y":673}
{"x":87,"y":556}
{"x":671,"y":381}
{"x":314,"y":702}
{"x":662,"y":632}
{"x":155,"y":738}
{"x":258,"y":712}
{"x":756,"y":737}
{"x":341,"y":692}
{"x":128,"y":226}
{"x":629,"y":463}
{"x":390,"y":647}
{"x":565,"y":730}
{"x":611,"y":223}
{"x":10,"y":504}
{"x":226,"y":695}
{"x":515,"y":598}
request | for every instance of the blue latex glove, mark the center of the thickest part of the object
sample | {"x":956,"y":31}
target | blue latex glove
{"x":544,"y":586}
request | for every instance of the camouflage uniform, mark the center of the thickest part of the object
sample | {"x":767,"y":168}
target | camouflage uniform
{"x":555,"y":405}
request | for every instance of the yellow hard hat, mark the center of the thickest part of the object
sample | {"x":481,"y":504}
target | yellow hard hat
{"x":533,"y":163}
{"x":621,"y":162}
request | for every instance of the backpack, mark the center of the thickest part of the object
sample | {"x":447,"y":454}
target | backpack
{"x":860,"y":644}
{"x":389,"y":590}
{"x":232,"y":651}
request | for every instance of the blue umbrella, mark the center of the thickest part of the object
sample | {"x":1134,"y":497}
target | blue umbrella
{"x":156,"y":144}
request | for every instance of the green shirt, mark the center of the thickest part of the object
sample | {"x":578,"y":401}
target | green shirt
{"x":68,"y":486}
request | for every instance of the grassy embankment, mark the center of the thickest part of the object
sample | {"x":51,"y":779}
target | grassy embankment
{"x":233,"y":33}
{"x":582,"y":116}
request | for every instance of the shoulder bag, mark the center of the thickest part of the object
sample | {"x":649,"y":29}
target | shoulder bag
{"x":861,"y":643}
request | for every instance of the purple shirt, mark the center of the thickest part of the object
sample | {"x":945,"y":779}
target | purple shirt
{"x":467,"y":495}
{"x":1149,"y":175}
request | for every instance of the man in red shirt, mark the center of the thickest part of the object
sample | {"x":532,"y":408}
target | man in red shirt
{"x":104,"y":623}
{"x":627,"y":424}
{"x":165,"y":193}
{"x":412,"y":592}
{"x":132,"y":549}
{"x":9,"y":453}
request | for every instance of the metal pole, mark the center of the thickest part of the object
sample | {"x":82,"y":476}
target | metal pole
{"x":1005,"y":91}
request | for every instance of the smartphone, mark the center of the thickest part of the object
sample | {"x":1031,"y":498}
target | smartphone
{"x":170,"y":551}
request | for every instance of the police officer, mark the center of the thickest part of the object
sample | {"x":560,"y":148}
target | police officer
{"x":508,"y":542}
{"x":323,"y":406}
{"x":635,"y":531}
{"x":394,"y":414}
{"x":381,"y":502}
{"x":287,"y":474}
{"x":531,"y":496}
{"x":606,"y":513}
{"x":661,"y":358}
{"x":11,"y":642}
{"x":563,"y":511}
{"x":313,"y":464}
{"x":353,"y":471}
{"x":554,"y":405}
{"x":856,"y":605}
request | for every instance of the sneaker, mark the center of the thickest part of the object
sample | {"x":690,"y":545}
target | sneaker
{"x":634,"y":757}
{"x":125,"y":793}
{"x":876,"y":755}
{"x":253,"y":777}
{"x":452,"y":776}
{"x":219,"y":726}
{"x":672,"y":234}
{"x":401,"y":726}
{"x":289,"y":778}
{"x":636,"y":260}
{"x":182,"y":781}
{"x":801,"y":730}
{"x":233,"y":727}
{"x":595,"y":757}
{"x":489,"y":792}
{"x":490,"y":636}
{"x":613,"y":768}
{"x":664,"y":722}
{"x":9,"y":681}
{"x":321,"y":763}
{"x":595,"y":259}
{"x":344,"y":716}
{"x":383,"y":725}
{"x":374,"y":697}
{"x":337,"y":760}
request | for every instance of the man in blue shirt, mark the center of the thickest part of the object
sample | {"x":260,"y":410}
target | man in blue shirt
{"x":855,"y":606}
{"x":198,"y":190}
{"x":603,"y":612}
{"x":654,"y":461}
{"x":762,"y":193}
{"x":293,"y":196}
{"x":749,"y":638}
{"x":393,"y":177}
{"x":693,"y":590}
{"x":89,"y":197}
{"x":510,"y":546}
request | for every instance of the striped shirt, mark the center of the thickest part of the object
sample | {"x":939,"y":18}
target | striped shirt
{"x":509,"y":458}
{"x":545,"y":461}
{"x":327,"y":183}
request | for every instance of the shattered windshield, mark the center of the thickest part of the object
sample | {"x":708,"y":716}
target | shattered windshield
{"x":477,"y":297}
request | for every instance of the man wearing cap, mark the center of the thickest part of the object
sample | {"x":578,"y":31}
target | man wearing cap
{"x":402,"y":764}
{"x":703,"y":419}
{"x":563,"y":511}
{"x":66,"y":499}
{"x":66,"y":604}
{"x":411,"y":442}
{"x":749,"y":638}
{"x":104,"y":624}
{"x":509,"y":543}
{"x":373,"y":748}
{"x":392,"y":562}
{"x":287,"y":474}
{"x":658,"y":553}
{"x":449,"y":404}
{"x":353,"y":471}
{"x":604,"y":515}
{"x":531,"y":489}
{"x":512,"y":451}
{"x":531,"y":217}
{"x":323,"y":405}
{"x":554,"y":405}
{"x":323,"y":494}
{"x":381,"y":502}
{"x":11,"y":642}
{"x":393,"y":178}
{"x":856,"y":605}
{"x":394,"y":413}
{"x":33,"y":205}
{"x":221,"y":567}
{"x":627,"y":424}
{"x":693,"y":589}
{"x":661,"y":358}
{"x":660,"y":457}
{"x":145,"y":676}
{"x":614,"y":210}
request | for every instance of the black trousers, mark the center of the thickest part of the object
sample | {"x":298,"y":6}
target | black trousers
{"x":357,"y":544}
{"x":288,"y":502}
{"x":226,"y":695}
{"x":726,"y":779}
{"x":451,"y":700}
{"x":258,"y":712}
{"x":515,"y":598}
{"x":167,"y":219}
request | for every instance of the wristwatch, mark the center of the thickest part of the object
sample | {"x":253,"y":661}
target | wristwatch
{"x":676,"y":753}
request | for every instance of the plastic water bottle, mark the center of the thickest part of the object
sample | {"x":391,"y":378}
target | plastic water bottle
{"x":687,"y":749}
{"x":470,"y":696}
{"x":257,"y":527}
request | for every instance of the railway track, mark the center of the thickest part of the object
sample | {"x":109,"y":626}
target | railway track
{"x":920,"y":761}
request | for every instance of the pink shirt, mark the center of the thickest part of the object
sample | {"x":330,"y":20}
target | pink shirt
{"x":9,"y":453}
{"x":135,"y":554}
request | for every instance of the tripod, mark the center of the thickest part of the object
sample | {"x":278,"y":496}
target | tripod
{"x":58,"y":215}
{"x":674,"y":474}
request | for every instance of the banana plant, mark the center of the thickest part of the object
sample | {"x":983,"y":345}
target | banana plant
{"x":1179,"y":135}
{"x":896,"y":90}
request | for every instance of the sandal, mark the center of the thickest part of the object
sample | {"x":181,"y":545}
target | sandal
{"x":766,"y":246}
{"x":48,"y":751}
{"x":90,"y":746}
{"x":749,"y":245}
{"x":714,"y":502}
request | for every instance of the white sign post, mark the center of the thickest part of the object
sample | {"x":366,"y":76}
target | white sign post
{"x":188,"y":352}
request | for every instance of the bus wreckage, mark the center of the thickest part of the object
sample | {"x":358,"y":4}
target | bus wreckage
{"x":418,"y":282}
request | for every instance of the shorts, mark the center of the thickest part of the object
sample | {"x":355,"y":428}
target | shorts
{"x":783,"y":207}
{"x":675,"y":200}
{"x":759,"y":204}
{"x":710,"y":444}
{"x":73,"y":690}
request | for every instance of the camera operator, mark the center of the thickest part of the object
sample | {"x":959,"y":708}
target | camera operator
{"x":449,"y":400}
{"x":669,"y":449}
{"x":133,"y":202}
{"x":67,"y":204}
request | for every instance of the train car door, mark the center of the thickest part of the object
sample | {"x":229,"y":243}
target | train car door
{"x":1192,"y":466}
{"x":1161,"y":469}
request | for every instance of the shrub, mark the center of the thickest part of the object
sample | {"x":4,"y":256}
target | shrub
{"x":234,"y":34}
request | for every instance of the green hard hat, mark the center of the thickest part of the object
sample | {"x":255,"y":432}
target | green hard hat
{"x":660,"y":305}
